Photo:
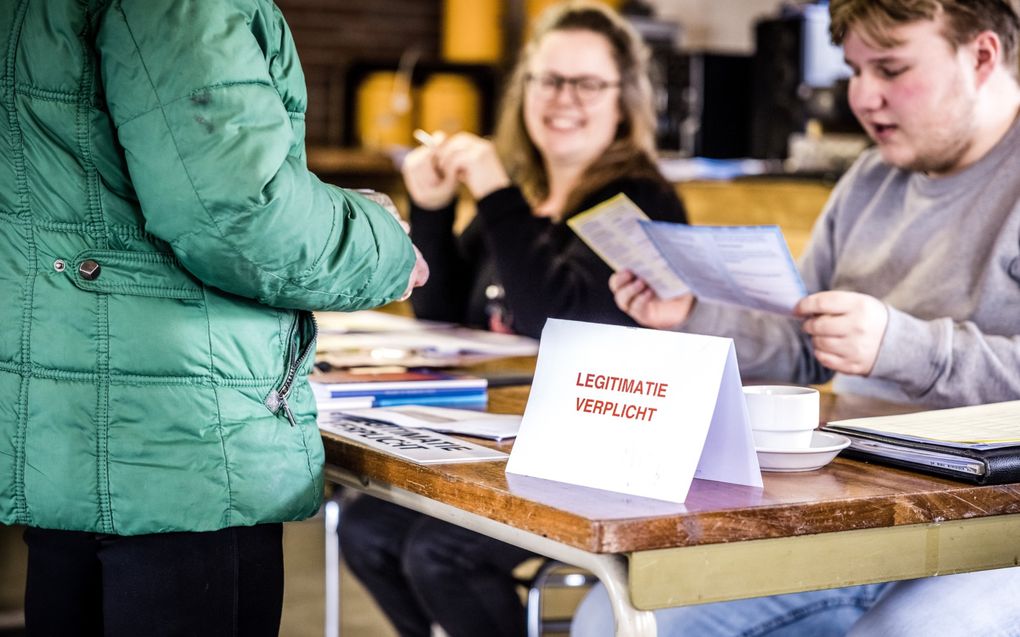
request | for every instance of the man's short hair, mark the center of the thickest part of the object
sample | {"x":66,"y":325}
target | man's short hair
{"x":964,"y":20}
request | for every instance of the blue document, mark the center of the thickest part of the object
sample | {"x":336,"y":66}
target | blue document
{"x":749,"y":266}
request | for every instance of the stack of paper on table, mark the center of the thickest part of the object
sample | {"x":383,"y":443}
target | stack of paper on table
{"x":980,"y":443}
{"x":358,"y":339}
{"x":372,"y":321}
{"x":747,"y":266}
{"x":388,"y":388}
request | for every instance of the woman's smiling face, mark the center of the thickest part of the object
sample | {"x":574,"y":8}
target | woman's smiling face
{"x":571,"y":100}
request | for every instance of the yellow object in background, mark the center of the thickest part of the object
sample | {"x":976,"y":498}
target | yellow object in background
{"x":534,"y":8}
{"x":383,"y":111}
{"x":472,"y":31}
{"x":451,"y":103}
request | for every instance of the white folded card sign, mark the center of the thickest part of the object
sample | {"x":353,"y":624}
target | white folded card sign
{"x":633,"y":410}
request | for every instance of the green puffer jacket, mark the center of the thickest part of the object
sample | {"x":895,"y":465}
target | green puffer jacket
{"x":160,"y":239}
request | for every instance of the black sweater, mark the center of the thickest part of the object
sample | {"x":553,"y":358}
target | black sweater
{"x":545,"y":270}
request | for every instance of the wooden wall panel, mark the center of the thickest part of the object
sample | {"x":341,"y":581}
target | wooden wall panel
{"x":332,"y":36}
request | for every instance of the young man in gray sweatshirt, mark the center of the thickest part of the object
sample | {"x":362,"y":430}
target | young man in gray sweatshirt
{"x":914,"y":273}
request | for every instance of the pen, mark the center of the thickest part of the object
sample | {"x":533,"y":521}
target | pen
{"x":424,"y":138}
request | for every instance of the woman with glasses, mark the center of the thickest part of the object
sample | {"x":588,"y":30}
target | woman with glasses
{"x":576,"y":128}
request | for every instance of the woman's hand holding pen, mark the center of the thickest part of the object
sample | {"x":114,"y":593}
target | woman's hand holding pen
{"x":474,"y":161}
{"x":633,"y":295}
{"x":846,"y":329}
{"x":434,"y":170}
{"x":428,"y":186}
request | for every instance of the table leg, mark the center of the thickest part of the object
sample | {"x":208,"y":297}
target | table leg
{"x":610,"y":568}
{"x":332,"y":519}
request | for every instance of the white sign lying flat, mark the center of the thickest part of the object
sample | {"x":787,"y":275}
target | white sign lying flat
{"x":414,"y":444}
{"x":637,"y":411}
{"x":447,"y":420}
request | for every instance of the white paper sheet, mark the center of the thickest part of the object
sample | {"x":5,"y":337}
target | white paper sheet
{"x":748,"y":266}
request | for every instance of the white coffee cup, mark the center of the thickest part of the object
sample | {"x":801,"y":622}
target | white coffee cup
{"x":781,"y":416}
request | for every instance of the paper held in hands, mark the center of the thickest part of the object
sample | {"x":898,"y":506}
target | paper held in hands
{"x":613,"y":231}
{"x":637,"y":411}
{"x":748,"y":266}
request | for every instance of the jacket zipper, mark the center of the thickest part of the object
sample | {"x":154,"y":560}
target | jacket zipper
{"x":277,"y":398}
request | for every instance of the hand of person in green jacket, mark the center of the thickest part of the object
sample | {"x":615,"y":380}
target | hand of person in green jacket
{"x":419,"y":274}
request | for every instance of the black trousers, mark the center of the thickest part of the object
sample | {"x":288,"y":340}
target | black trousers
{"x":220,"y":583}
{"x":421,"y":570}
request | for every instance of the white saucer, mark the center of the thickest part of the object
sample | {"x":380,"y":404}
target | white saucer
{"x":824,"y":447}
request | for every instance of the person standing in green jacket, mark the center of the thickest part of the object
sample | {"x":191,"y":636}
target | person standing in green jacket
{"x":161,"y":243}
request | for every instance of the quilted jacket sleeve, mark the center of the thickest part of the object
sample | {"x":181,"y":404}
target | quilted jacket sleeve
{"x":208,"y":100}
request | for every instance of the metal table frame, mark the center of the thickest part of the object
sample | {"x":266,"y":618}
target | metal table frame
{"x":642,"y":581}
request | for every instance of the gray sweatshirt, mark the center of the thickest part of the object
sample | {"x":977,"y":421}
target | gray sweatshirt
{"x":944,"y":256}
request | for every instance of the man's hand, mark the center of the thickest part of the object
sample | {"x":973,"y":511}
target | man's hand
{"x":641,"y":303}
{"x":846,"y":329}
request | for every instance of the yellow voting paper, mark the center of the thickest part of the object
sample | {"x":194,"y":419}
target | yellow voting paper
{"x":613,"y":231}
{"x":995,"y":424}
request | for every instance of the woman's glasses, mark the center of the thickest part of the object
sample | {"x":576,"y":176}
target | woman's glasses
{"x":586,"y":88}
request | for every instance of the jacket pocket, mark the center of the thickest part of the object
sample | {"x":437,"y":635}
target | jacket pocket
{"x":300,"y":349}
{"x":152,"y":274}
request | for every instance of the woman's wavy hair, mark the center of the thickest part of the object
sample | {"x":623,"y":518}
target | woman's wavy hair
{"x":965,"y":19}
{"x":632,"y":151}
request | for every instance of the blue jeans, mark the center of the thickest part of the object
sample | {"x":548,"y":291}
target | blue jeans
{"x":982,"y":603}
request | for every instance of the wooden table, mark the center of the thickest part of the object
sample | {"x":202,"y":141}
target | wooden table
{"x":848,"y":523}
